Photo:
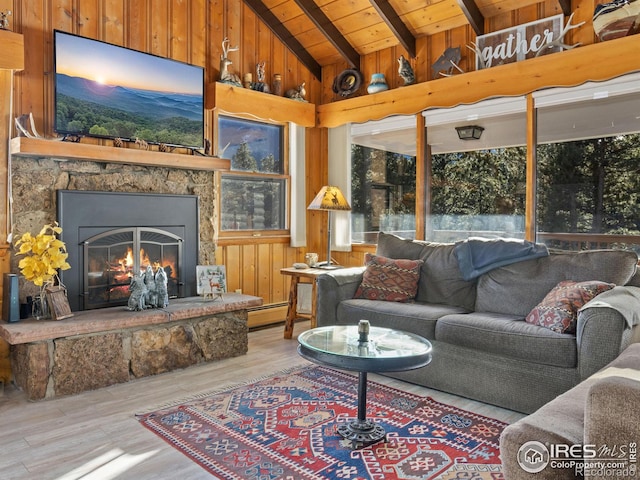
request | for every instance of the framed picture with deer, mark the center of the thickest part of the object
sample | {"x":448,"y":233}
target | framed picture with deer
{"x":211,"y":281}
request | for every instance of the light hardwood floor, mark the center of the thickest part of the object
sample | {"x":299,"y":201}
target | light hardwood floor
{"x":94,"y":435}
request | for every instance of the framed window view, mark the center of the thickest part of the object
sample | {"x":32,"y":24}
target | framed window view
{"x":251,"y":146}
{"x":253,"y":203}
{"x":253,"y":194}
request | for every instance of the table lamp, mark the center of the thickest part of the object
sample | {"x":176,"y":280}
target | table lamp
{"x":329,"y":198}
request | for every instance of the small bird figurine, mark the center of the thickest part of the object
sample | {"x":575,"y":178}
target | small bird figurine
{"x":405,"y":71}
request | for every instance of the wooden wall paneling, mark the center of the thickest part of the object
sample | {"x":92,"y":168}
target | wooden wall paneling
{"x":32,"y":79}
{"x":278,"y":261}
{"x":463,"y":36}
{"x":329,"y":73}
{"x":248,"y":55}
{"x":248,"y":269}
{"x":137,"y":33}
{"x":264,"y":270}
{"x":422,"y":62}
{"x":113,"y":21}
{"x":316,"y":171}
{"x":198,"y":32}
{"x":583,"y":10}
{"x":179,"y":29}
{"x":278,"y":62}
{"x":159,"y":28}
{"x":229,"y":256}
{"x":233,"y":29}
{"x":6,"y":121}
{"x":530,"y":13}
{"x":64,"y":16}
{"x":289,"y":69}
{"x":264,"y":51}
{"x":437,"y":45}
{"x":387,"y":65}
{"x":368,"y":66}
{"x":215,"y":34}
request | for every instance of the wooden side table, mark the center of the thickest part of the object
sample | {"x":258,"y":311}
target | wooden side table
{"x":300,"y":275}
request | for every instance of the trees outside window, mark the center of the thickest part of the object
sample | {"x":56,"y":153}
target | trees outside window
{"x":477,"y":193}
{"x":383,"y":193}
{"x":589,"y":186}
{"x":254,"y":192}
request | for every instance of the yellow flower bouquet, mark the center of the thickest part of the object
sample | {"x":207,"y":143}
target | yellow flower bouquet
{"x":45,"y":254}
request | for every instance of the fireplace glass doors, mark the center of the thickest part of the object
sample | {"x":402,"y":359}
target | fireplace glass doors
{"x":111,"y":258}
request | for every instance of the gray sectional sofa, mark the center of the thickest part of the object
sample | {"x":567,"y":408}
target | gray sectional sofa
{"x":597,"y":413}
{"x":482,"y":347}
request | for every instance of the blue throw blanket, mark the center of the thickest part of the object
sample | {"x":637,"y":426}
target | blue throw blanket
{"x":479,"y":255}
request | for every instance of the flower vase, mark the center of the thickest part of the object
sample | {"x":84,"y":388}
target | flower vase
{"x":378,"y":83}
{"x":40,"y":307}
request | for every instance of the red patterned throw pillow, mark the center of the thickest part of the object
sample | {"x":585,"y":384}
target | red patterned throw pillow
{"x":389,"y":279}
{"x":558,"y":311}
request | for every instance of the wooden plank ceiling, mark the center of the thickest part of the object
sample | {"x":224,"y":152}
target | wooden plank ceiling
{"x":326,"y":32}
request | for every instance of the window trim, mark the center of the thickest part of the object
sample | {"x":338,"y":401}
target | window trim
{"x":225,"y":235}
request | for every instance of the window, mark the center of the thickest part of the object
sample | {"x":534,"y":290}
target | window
{"x":383,"y":179}
{"x":477,"y":186}
{"x":588,"y":159}
{"x":383,"y":193}
{"x":477,"y":193}
{"x":254,"y":193}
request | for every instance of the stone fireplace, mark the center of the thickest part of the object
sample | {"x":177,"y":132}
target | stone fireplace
{"x":43,"y":187}
{"x":165,"y":215}
{"x":112,"y":236}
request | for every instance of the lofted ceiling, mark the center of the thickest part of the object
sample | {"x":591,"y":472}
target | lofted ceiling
{"x":325,"y":32}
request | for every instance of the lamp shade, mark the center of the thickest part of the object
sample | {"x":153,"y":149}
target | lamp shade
{"x":329,"y":198}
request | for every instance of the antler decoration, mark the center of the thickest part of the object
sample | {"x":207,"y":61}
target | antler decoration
{"x":559,"y":42}
{"x":226,"y":48}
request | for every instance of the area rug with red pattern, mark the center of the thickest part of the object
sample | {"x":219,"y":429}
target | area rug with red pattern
{"x":285,"y":427}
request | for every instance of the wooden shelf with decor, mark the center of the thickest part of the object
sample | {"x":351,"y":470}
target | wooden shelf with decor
{"x":597,"y":62}
{"x":37,"y":147}
{"x":238,"y":100}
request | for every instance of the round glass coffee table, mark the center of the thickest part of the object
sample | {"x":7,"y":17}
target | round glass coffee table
{"x":362,"y":348}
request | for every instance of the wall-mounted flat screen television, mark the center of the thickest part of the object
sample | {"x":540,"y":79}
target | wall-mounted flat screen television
{"x":106,"y":91}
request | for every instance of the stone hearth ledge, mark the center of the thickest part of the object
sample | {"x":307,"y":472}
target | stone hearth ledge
{"x":98,"y":348}
{"x":118,"y":318}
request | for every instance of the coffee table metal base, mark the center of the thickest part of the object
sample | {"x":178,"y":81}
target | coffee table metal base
{"x":362,"y":432}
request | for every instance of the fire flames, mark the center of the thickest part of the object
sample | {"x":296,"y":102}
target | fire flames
{"x":109,"y":278}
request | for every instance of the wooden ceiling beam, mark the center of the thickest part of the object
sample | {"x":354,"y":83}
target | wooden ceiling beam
{"x":473,"y":14}
{"x":322,"y":22}
{"x":565,"y":5}
{"x":397,"y":26}
{"x":285,"y":36}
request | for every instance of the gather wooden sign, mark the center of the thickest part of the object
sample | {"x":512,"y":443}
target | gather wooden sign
{"x":519,"y":43}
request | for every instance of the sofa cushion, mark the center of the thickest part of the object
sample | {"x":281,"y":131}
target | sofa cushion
{"x":517,"y":288}
{"x":388,"y":279}
{"x":393,"y":246}
{"x":508,"y":335}
{"x":558,"y":310}
{"x":418,"y":318}
{"x":440,"y":277}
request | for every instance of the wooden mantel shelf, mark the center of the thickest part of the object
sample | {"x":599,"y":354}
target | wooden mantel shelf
{"x":35,"y":147}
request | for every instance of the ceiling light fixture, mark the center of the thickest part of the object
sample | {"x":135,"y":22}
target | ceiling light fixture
{"x":469,"y":132}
